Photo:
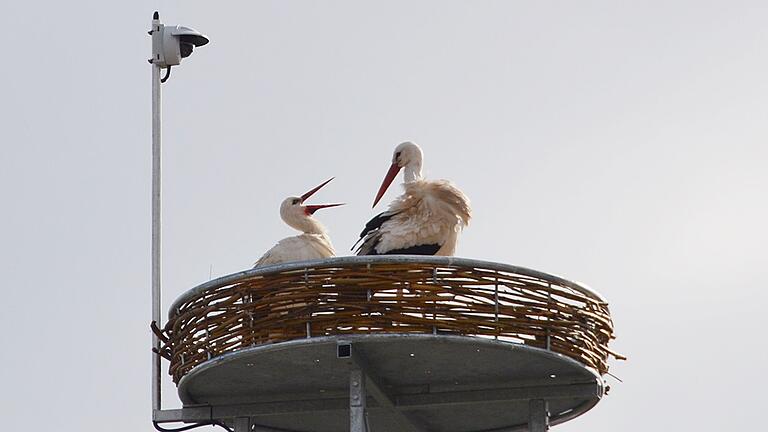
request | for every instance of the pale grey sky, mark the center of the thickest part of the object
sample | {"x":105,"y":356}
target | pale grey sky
{"x":617,"y":143}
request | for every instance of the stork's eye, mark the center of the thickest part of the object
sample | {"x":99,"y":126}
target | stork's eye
{"x":296,"y":201}
{"x":397,"y":156}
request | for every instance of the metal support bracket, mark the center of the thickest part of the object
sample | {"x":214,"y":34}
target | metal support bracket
{"x":375,"y":387}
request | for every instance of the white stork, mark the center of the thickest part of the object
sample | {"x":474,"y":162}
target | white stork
{"x":425,"y":220}
{"x":314,"y":243}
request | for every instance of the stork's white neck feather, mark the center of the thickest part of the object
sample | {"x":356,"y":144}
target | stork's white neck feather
{"x":409,"y":156}
{"x":412,"y":171}
{"x":297,"y":219}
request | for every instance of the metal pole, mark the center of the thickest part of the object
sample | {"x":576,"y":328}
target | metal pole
{"x":357,"y":399}
{"x":538,"y":415}
{"x":156,"y":137}
{"x":242,"y":424}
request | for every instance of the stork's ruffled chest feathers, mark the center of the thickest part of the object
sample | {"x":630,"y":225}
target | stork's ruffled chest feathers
{"x":429,"y":212}
{"x":436,"y":201}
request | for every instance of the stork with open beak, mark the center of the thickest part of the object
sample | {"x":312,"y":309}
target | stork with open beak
{"x":313,"y":243}
{"x":425,"y":220}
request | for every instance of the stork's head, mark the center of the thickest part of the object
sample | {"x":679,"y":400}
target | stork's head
{"x":407,"y":154}
{"x":408,"y":157}
{"x":299,"y":216}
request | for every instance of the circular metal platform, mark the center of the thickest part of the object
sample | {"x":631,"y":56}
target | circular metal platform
{"x":415,"y":382}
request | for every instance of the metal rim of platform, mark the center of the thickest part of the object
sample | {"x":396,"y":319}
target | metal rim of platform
{"x":405,"y":294}
{"x":222,"y":360}
{"x":580,"y":393}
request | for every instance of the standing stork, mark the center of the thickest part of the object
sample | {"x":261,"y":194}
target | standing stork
{"x":313,"y":243}
{"x":425,"y":220}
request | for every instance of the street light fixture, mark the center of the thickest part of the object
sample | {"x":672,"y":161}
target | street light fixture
{"x":170,"y":44}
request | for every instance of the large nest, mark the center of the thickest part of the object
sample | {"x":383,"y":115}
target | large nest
{"x":387,"y":294}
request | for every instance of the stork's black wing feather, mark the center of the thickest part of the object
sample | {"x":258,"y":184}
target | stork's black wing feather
{"x":373,"y":225}
{"x":426,"y":249}
{"x":376,"y":222}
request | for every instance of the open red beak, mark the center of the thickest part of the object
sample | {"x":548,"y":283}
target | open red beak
{"x":391,"y":174}
{"x":311,"y":209}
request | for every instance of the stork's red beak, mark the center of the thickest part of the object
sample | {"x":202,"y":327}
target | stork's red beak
{"x":311,"y":209}
{"x":391,"y":174}
{"x":312,"y":192}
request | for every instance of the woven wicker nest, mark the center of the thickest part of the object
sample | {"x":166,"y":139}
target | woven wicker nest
{"x":386,"y":294}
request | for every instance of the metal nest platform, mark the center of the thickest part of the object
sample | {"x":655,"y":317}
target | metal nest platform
{"x":387,"y":343}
